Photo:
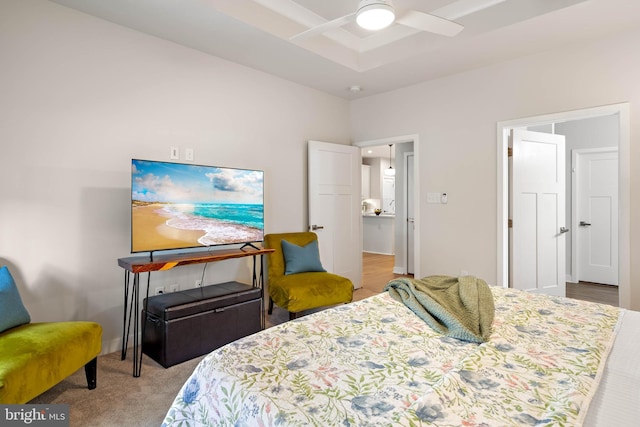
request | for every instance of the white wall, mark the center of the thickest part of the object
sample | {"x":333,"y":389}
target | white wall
{"x":456,"y":119}
{"x":79,"y":98}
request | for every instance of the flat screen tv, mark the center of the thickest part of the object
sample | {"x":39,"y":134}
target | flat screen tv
{"x":179,"y":206}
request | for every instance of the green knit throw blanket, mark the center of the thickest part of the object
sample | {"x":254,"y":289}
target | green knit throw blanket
{"x":458,"y":307}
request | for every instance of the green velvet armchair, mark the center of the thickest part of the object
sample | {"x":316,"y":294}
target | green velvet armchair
{"x":36,"y":356}
{"x":305,"y":290}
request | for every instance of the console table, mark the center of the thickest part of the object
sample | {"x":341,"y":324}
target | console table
{"x":146,"y":264}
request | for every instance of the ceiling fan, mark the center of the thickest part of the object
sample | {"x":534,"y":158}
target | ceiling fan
{"x":383,"y":10}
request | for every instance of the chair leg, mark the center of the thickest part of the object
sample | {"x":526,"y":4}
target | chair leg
{"x":292,"y":315}
{"x":270,"y":309}
{"x":91,"y":370}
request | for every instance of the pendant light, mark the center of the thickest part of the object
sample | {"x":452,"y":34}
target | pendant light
{"x":391,"y":171}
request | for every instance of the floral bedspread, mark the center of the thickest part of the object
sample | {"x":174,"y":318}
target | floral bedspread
{"x":375,"y":363}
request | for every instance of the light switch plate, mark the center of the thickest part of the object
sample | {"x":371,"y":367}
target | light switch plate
{"x":433,"y":197}
{"x":175,"y":153}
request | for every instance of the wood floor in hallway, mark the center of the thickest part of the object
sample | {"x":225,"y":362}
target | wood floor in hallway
{"x":594,"y":292}
{"x":377,"y":271}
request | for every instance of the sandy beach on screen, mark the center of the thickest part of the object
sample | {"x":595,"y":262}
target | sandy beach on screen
{"x":151,"y":230}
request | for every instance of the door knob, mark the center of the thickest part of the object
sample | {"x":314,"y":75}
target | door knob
{"x":563,"y":229}
{"x":317,"y":227}
{"x":584,"y":224}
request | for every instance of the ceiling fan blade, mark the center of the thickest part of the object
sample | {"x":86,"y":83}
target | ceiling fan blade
{"x":322,"y":28}
{"x":431,"y":23}
{"x":461,"y":8}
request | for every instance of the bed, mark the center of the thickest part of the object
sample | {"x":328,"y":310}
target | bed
{"x":548,"y":361}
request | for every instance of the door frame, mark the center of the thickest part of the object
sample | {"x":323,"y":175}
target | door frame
{"x":416,"y":188}
{"x":405,"y":235}
{"x":575,"y":241}
{"x":624,"y":183}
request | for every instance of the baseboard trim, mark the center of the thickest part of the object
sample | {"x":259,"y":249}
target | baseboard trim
{"x":115,"y":344}
{"x":377,"y":253}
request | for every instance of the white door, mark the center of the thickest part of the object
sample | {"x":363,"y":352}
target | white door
{"x":410,"y":215}
{"x":537,"y":262}
{"x":335,"y":213}
{"x":389,"y":194}
{"x":597,"y":214}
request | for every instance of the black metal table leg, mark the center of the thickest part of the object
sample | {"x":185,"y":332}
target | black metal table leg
{"x":143,"y":326}
{"x":258,"y":283}
{"x":136,"y":323}
{"x":125,"y":332}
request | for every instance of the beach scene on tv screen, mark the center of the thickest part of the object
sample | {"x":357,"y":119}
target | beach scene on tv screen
{"x":176,"y":205}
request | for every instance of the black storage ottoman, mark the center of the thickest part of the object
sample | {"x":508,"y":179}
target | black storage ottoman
{"x":182,"y":325}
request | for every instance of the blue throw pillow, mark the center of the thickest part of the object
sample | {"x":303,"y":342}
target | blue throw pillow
{"x":301,"y":259}
{"x":12,"y":312}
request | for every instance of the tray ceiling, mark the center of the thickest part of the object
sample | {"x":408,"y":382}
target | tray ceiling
{"x":258,"y":34}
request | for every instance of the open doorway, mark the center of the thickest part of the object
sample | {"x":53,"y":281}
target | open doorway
{"x":386,"y":238}
{"x":619,"y":114}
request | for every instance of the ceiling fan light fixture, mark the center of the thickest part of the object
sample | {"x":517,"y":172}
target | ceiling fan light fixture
{"x":375,"y":14}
